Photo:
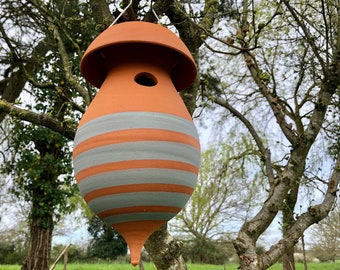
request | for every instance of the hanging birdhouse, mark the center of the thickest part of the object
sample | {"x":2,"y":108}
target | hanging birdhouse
{"x":136,"y":151}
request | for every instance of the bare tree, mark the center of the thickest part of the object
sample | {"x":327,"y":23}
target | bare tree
{"x":290,"y":54}
{"x":224,"y":189}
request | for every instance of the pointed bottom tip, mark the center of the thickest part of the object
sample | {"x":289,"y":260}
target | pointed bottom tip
{"x":134,"y":263}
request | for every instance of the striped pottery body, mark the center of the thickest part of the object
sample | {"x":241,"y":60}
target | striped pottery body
{"x":136,"y":151}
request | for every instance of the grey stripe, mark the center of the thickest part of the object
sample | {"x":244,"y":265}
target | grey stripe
{"x":137,"y":151}
{"x":138,"y":217}
{"x":137,"y":176}
{"x":132,"y":120}
{"x":108,"y":202}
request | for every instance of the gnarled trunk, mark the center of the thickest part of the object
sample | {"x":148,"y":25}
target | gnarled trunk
{"x":288,"y":262}
{"x":288,"y":220}
{"x":165,"y":251}
{"x":39,"y":253}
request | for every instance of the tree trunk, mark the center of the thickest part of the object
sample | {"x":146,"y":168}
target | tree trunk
{"x":245,"y":248}
{"x":39,"y":254}
{"x":288,"y":262}
{"x":304,"y":252}
{"x":288,"y":220}
{"x":165,"y":251}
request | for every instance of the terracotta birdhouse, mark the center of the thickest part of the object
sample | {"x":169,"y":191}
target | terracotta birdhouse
{"x":136,"y":151}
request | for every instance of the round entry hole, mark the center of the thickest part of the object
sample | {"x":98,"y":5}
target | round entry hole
{"x":146,"y":79}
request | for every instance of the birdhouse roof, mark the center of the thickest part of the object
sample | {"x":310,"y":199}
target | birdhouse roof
{"x":136,"y":32}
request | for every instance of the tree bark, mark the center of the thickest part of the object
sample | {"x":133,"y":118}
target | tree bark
{"x":101,"y":13}
{"x":68,"y":130}
{"x":288,"y":262}
{"x":193,"y":35}
{"x":39,"y":254}
{"x":11,"y":87}
{"x":165,"y":251}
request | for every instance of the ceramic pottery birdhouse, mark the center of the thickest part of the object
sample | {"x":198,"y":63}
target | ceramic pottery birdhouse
{"x":136,"y":151}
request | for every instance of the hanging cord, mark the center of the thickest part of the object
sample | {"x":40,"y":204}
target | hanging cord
{"x":154,"y":13}
{"x":126,"y":8}
{"x":123,"y":11}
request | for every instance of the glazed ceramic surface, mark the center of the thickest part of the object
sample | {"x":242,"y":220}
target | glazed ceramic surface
{"x":136,"y":151}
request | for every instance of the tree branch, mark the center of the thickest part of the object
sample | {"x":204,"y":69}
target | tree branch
{"x":308,"y":35}
{"x":313,"y":215}
{"x":272,"y":100}
{"x":159,"y":7}
{"x":60,"y":91}
{"x":64,"y":129}
{"x":265,"y":152}
{"x":101,"y":13}
{"x":192,"y":35}
{"x":14,"y":84}
{"x":190,"y":32}
{"x":67,"y":68}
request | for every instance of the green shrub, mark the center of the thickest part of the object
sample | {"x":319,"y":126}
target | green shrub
{"x":9,"y":254}
{"x":204,"y":251}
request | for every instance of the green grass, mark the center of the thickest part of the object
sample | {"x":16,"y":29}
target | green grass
{"x":9,"y":267}
{"x":118,"y":266}
{"x":105,"y":266}
{"x":149,"y":266}
{"x":311,"y":266}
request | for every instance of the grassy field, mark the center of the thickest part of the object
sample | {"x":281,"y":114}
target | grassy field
{"x":311,"y":266}
{"x":149,"y":266}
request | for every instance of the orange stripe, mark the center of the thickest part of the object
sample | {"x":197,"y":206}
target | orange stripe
{"x":137,"y":188}
{"x":136,"y":164}
{"x":134,"y":135}
{"x":138,"y":209}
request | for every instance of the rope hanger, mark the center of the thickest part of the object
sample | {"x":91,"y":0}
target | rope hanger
{"x":126,"y":8}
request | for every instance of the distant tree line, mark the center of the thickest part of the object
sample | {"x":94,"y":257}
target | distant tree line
{"x":9,"y":254}
{"x":106,"y":244}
